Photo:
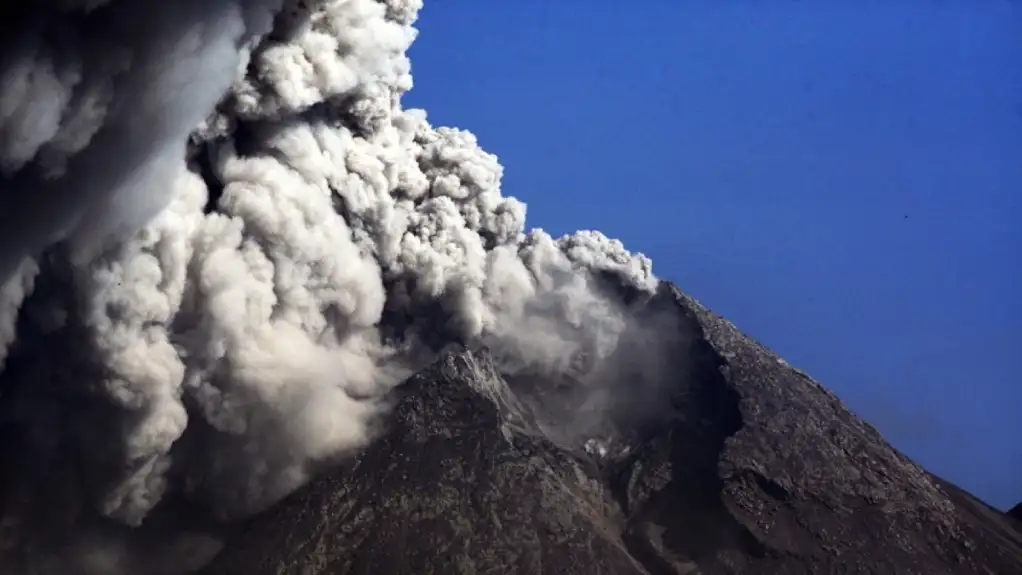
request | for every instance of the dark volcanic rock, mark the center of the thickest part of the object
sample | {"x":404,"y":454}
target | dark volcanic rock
{"x":755,"y":469}
{"x":463,"y":483}
{"x":1016,"y":513}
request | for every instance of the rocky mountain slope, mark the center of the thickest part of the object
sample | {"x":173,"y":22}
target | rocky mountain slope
{"x":751,"y":467}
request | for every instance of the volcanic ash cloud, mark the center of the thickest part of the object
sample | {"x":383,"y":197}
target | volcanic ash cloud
{"x":224,"y":241}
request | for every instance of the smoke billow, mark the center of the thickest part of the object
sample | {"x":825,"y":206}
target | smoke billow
{"x":223,"y":242}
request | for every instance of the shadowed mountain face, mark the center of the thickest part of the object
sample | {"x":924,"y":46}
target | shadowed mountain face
{"x":1015,"y":513}
{"x":751,"y":467}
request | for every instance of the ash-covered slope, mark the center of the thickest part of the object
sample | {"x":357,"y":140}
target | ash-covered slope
{"x":462,"y":483}
{"x":224,"y":240}
{"x":755,"y":468}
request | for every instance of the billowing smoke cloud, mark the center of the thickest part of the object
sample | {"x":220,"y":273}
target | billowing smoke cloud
{"x":223,"y":242}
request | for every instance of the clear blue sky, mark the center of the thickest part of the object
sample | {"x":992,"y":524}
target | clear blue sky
{"x":843,"y":183}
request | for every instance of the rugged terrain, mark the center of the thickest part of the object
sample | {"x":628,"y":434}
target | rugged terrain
{"x":752,"y":467}
{"x":189,"y":330}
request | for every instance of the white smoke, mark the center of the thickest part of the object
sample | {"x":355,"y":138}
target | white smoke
{"x":231,"y":318}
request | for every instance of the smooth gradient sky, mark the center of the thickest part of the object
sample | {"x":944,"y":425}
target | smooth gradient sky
{"x":843,"y":183}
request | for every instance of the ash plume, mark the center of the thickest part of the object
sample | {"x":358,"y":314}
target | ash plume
{"x":224,"y":241}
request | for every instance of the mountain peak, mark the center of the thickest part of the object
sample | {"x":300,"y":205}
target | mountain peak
{"x":461,"y":482}
{"x":752,"y":467}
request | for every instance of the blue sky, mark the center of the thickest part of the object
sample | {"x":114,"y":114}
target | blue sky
{"x":843,"y":183}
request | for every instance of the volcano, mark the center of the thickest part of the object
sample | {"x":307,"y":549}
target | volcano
{"x":750,"y":467}
{"x":257,"y":316}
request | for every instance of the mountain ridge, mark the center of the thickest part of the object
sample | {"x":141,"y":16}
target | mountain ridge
{"x":756,"y":468}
